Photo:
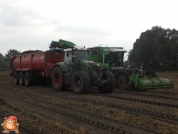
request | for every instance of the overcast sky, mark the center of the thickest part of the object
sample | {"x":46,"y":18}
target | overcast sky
{"x":33,"y":24}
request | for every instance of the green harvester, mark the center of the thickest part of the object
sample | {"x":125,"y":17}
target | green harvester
{"x":111,"y":58}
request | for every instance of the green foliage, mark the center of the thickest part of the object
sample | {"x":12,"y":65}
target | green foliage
{"x":11,"y":52}
{"x":156,"y":50}
{"x":5,"y":66}
{"x":1,"y":58}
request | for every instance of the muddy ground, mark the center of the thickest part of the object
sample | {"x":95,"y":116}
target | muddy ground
{"x":40,"y":109}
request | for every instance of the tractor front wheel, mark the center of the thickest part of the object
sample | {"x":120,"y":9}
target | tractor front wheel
{"x":58,"y":80}
{"x":108,"y":87}
{"x":122,"y":79}
{"x":80,"y":82}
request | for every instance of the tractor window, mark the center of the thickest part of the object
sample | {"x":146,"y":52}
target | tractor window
{"x":67,"y":54}
{"x":81,"y":55}
{"x":113,"y":58}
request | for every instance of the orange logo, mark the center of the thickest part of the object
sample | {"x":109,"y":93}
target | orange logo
{"x":10,"y":124}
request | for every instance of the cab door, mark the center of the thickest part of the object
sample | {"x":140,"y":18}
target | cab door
{"x":68,"y":57}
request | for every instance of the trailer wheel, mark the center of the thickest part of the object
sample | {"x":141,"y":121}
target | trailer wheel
{"x":122,"y":78}
{"x":29,"y":78}
{"x":21,"y":78}
{"x":16,"y":78}
{"x":108,"y":87}
{"x":80,"y":82}
{"x":58,"y":79}
{"x":150,"y":74}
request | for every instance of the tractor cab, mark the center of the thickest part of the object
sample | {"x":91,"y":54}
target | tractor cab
{"x":75,"y":55}
{"x":114,"y":57}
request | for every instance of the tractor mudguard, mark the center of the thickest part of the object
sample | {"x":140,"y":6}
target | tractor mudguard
{"x":63,"y":66}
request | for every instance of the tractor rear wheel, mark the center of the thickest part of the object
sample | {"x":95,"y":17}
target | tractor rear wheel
{"x":16,"y":78}
{"x":122,"y":79}
{"x":108,"y":87}
{"x":21,"y":78}
{"x":80,"y":82}
{"x":29,"y":78}
{"x":58,"y":79}
{"x":150,"y":74}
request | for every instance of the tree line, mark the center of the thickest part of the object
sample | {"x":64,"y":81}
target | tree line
{"x":157,"y":49}
{"x":5,"y":59}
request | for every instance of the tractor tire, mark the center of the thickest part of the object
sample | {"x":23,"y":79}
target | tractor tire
{"x":58,"y":79}
{"x":108,"y":87}
{"x":21,"y":78}
{"x":80,"y":82}
{"x":122,"y":79}
{"x":16,"y":78}
{"x":150,"y":74}
{"x":29,"y":78}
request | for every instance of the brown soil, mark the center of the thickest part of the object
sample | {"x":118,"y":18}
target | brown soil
{"x":40,"y":109}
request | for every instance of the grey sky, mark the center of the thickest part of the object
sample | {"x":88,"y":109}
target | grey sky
{"x":33,"y":24}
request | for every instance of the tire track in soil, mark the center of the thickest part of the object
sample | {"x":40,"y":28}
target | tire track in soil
{"x":149,"y":94}
{"x":34,"y":123}
{"x":167,"y":117}
{"x":24,"y":88}
{"x":143,"y":100}
{"x":46,"y":88}
{"x":8,"y":113}
{"x":43,"y":107}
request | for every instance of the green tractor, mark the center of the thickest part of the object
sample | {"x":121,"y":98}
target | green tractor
{"x":112,"y":59}
{"x":77,"y":72}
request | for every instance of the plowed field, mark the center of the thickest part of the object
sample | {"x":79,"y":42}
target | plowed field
{"x":41,"y":110}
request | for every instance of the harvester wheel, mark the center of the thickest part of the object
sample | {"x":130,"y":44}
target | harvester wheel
{"x":58,"y":79}
{"x":29,"y":79}
{"x":80,"y":82}
{"x":150,"y":74}
{"x":16,"y":78}
{"x":21,"y":78}
{"x":108,"y":87}
{"x":122,"y":79}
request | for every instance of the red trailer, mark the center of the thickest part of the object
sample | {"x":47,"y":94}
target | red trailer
{"x":28,"y":65}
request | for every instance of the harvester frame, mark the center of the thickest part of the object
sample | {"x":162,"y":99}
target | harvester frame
{"x":111,"y":58}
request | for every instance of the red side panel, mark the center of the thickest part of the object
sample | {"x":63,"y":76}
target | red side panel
{"x":39,"y":61}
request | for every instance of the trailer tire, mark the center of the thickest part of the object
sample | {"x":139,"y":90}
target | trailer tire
{"x":80,"y":82}
{"x":29,"y":78}
{"x":150,"y":74}
{"x":16,"y":78}
{"x":21,"y":78}
{"x":58,"y":79}
{"x":122,"y":78}
{"x":108,"y":87}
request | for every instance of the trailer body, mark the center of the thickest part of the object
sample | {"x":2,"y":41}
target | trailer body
{"x":39,"y":62}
